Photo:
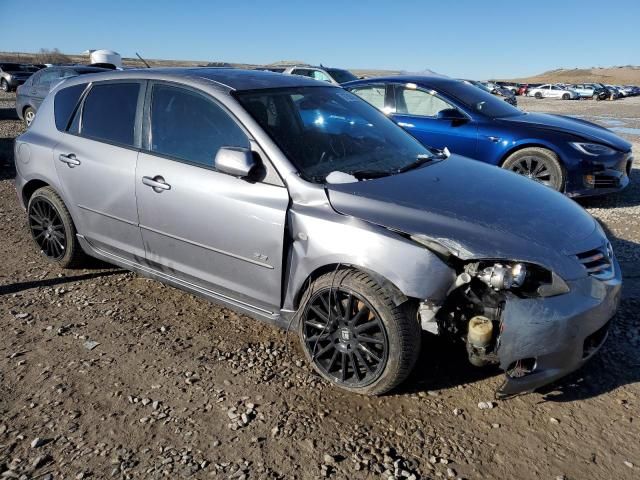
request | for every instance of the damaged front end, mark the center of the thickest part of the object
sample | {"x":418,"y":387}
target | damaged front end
{"x":525,"y":318}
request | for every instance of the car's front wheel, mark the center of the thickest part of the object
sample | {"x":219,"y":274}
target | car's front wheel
{"x":566,"y":96}
{"x":539,"y":164}
{"x":52,"y":228}
{"x":355,"y":336}
{"x":28,"y":116}
{"x":4,"y":86}
{"x":538,"y":95}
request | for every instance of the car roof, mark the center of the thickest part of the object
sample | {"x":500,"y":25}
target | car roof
{"x":228,"y":78}
{"x":422,"y":80}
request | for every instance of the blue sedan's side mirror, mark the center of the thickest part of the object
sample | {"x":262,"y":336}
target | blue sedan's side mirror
{"x":452,"y":114}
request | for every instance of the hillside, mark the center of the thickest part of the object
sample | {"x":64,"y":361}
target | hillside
{"x":626,"y":75}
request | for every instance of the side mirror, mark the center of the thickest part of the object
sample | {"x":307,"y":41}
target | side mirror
{"x":452,"y":114}
{"x":236,"y":161}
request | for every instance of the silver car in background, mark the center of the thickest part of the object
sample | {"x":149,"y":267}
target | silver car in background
{"x":298,"y":203}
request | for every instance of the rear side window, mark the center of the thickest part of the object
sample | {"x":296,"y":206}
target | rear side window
{"x":190,"y":126}
{"x":109,"y":113}
{"x":374,"y":94}
{"x":65,"y":104}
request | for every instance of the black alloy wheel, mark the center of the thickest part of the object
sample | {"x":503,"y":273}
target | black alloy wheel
{"x":345,"y":337}
{"x":47,"y":229}
{"x":538,"y":164}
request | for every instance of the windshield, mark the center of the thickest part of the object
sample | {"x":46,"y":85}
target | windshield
{"x":326,"y":129}
{"x":341,"y":76}
{"x":478,"y":100}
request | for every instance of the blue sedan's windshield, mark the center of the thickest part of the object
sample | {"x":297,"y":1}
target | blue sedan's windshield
{"x":327,"y":129}
{"x":478,"y":100}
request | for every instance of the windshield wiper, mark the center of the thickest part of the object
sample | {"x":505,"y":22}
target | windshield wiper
{"x":421,"y":160}
{"x":364,"y":174}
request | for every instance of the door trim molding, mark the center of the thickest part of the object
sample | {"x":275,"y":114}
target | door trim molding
{"x":207,"y":247}
{"x":113,"y":217}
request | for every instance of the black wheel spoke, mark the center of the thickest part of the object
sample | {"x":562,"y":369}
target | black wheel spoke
{"x":366,"y":326}
{"x":320,"y":313}
{"x":363,"y":361}
{"x":332,"y":362}
{"x":369,"y":352}
{"x":324,"y":350}
{"x":343,"y":370}
{"x":368,"y":339}
{"x":356,"y":369}
{"x":315,"y":324}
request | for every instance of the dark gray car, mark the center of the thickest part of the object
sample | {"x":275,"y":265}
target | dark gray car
{"x":31,"y":93}
{"x":12,"y":75}
{"x":298,"y":203}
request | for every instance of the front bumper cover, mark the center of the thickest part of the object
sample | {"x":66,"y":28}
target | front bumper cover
{"x":556,"y":334}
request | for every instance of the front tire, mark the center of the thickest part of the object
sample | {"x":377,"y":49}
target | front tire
{"x":28,"y":116}
{"x":566,"y":96}
{"x":4,"y":86}
{"x":355,"y":336}
{"x":538,"y":164}
{"x":538,"y":95}
{"x":52,"y":229}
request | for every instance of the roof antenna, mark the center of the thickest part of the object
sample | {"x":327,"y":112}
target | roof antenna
{"x":142,"y":59}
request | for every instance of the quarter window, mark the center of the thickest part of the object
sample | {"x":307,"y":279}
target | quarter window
{"x":373,"y":94}
{"x":65,"y":103}
{"x":109,"y":113}
{"x":419,"y":102}
{"x":191,"y":127}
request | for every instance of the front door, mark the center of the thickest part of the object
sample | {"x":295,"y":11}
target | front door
{"x":417,"y":112}
{"x":96,"y":163}
{"x":210,"y":229}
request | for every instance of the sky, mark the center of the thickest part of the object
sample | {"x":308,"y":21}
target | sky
{"x":464,"y":38}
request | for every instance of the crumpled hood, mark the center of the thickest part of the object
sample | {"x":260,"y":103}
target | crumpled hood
{"x":476,"y":211}
{"x":587,"y":130}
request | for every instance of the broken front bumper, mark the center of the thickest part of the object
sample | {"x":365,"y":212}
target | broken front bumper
{"x":543,"y":339}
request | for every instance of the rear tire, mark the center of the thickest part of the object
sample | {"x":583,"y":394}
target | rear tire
{"x":538,"y":164}
{"x":52,"y":229}
{"x":367,"y":344}
{"x":566,"y":96}
{"x":28,"y":115}
{"x":4,"y":86}
{"x":538,"y":95}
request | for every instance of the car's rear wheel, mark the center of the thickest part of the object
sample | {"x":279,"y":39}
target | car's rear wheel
{"x":539,"y":164}
{"x":52,"y":228}
{"x":4,"y":86}
{"x":538,"y":95}
{"x":28,"y":116}
{"x":355,"y":336}
{"x":566,"y":96}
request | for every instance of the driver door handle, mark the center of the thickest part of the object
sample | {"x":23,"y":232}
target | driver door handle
{"x":70,"y":159}
{"x":157,"y":183}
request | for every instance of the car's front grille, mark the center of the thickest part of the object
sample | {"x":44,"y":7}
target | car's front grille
{"x":598,"y":262}
{"x":605,"y":181}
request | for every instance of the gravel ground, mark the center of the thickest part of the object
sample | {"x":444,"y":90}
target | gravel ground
{"x":105,"y":374}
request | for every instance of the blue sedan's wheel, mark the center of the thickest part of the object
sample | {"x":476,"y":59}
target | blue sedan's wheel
{"x":538,"y":164}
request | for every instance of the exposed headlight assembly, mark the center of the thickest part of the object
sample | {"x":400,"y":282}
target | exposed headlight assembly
{"x":593,"y":149}
{"x":525,"y":279}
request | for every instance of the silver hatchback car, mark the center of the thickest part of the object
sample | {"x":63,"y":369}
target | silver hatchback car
{"x":298,"y":203}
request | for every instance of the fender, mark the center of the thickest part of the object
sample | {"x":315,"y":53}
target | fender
{"x":329,"y":238}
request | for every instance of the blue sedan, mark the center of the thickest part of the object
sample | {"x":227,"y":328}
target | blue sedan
{"x":569,"y":155}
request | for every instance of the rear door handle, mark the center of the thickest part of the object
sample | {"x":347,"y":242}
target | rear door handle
{"x":70,"y":159}
{"x":157,"y":183}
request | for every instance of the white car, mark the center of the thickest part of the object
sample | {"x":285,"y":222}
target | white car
{"x":553,"y":91}
{"x":335,"y":76}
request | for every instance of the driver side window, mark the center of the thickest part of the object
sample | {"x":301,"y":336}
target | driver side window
{"x":418,"y":102}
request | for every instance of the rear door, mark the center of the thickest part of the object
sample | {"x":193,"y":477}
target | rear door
{"x":207,"y":228}
{"x":416,"y":111}
{"x":96,"y":162}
